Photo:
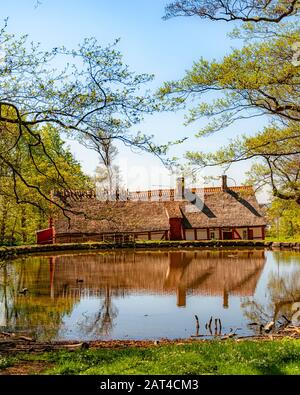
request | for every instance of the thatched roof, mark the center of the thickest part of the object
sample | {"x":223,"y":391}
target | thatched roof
{"x":233,"y":207}
{"x":105,"y":217}
{"x":222,"y":209}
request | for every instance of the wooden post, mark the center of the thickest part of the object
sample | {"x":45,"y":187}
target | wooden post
{"x":195,"y":234}
{"x":208,"y":235}
{"x":183,"y":234}
{"x":220,"y":234}
{"x":172,"y":194}
{"x":250,"y":234}
{"x":197,"y":326}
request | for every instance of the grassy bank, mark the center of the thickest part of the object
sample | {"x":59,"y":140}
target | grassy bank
{"x":12,"y":252}
{"x":6,"y":252}
{"x":283,"y":239}
{"x":212,"y":357}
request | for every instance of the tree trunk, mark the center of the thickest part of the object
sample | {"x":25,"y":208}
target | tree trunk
{"x":292,"y":228}
{"x":13,"y":231}
{"x":4,"y":214}
{"x":23,"y":225}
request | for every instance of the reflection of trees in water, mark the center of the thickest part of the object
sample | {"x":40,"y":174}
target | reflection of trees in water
{"x":102,"y":322}
{"x":285,"y":257}
{"x":283,"y":290}
{"x":39,"y":312}
{"x":5,"y":297}
{"x":34,"y":312}
{"x":43,"y":316}
{"x":10,"y":280}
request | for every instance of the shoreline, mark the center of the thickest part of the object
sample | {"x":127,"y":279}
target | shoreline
{"x":12,"y":252}
{"x":12,"y":346}
{"x":263,"y":356}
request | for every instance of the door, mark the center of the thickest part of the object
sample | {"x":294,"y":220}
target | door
{"x":250,"y":234}
{"x":227,"y":235}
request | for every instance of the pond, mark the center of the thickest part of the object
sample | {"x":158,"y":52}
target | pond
{"x":147,"y":294}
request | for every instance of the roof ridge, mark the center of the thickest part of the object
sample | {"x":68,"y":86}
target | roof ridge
{"x":145,"y":195}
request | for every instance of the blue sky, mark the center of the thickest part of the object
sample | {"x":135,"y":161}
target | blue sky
{"x":149,"y":44}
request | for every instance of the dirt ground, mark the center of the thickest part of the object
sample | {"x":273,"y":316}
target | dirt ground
{"x":25,"y":368}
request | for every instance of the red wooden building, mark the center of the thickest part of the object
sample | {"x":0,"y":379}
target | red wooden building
{"x":221,"y":213}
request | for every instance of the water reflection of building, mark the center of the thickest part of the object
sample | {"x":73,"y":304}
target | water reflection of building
{"x":57,"y":284}
{"x":219,"y":273}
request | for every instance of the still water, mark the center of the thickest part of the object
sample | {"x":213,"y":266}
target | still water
{"x":147,"y":295}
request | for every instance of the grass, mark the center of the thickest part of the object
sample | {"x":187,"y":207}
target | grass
{"x":12,"y":251}
{"x":212,"y":358}
{"x":284,"y":239}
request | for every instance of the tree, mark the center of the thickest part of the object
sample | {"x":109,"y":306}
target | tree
{"x":257,"y":80}
{"x":107,"y":173}
{"x":107,"y":182}
{"x":284,"y":218}
{"x":262,"y":79}
{"x":22,"y":209}
{"x":272,"y":11}
{"x":94,"y":89}
{"x":277,"y":159}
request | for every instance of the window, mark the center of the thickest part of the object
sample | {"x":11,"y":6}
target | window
{"x":190,"y":235}
{"x":212,"y":235}
{"x":245,"y":235}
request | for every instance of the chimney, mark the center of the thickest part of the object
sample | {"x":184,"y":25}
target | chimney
{"x":224,"y":183}
{"x":180,"y":188}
